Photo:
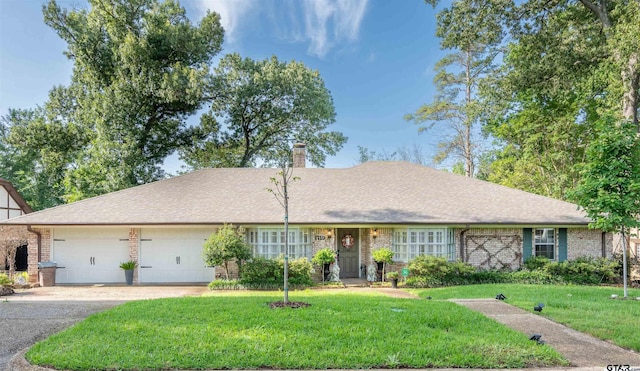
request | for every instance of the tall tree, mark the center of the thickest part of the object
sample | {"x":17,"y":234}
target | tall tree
{"x":258,"y":106}
{"x":140,"y":69}
{"x":609,"y":190}
{"x":472,"y":29}
{"x":35,"y":152}
{"x":567,"y":64}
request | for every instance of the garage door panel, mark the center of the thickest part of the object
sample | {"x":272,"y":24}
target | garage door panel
{"x":168,"y":255}
{"x":86,"y":255}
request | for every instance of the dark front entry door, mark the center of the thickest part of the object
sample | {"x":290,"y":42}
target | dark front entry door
{"x":348,"y":248}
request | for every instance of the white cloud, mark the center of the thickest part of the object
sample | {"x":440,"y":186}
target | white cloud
{"x":232,"y":14}
{"x":325,"y":24}
{"x":344,"y":16}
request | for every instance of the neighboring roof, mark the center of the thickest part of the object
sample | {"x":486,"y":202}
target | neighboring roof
{"x":374,"y":192}
{"x":16,"y":196}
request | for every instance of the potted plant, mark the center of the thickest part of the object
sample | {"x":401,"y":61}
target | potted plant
{"x":383,"y":255}
{"x":323,"y":258}
{"x":393,"y":277}
{"x":128,"y":268}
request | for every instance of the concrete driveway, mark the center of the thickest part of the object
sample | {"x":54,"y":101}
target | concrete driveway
{"x":34,"y":314}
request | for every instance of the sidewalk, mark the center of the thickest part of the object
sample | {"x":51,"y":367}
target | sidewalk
{"x":580,"y":349}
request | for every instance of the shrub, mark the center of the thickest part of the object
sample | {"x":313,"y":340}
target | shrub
{"x":269,"y":273}
{"x":21,"y":278}
{"x":4,"y":279}
{"x":431,"y":267}
{"x":536,"y":262}
{"x":225,"y":285}
{"x":382,"y":255}
{"x":323,"y":256}
{"x":584,"y":270}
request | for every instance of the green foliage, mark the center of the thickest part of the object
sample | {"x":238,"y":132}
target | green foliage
{"x":261,"y":273}
{"x":263,"y":107}
{"x":140,"y":68}
{"x":536,"y":262}
{"x":225,"y":245}
{"x":225,"y":285}
{"x":429,"y":271}
{"x":392,"y":275}
{"x":4,"y":279}
{"x":382,"y":255}
{"x":129,"y":265}
{"x":584,"y":270}
{"x":610,"y":188}
{"x":472,"y":30}
{"x":324,"y":256}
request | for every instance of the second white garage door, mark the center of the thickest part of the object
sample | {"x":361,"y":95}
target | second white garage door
{"x":170,"y":255}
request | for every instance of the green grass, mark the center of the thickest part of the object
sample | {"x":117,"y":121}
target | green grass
{"x":588,"y":309}
{"x":339,"y":330}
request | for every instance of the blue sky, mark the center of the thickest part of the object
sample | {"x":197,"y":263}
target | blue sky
{"x":375,"y":56}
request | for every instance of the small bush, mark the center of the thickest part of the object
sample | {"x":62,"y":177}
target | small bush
{"x":430,"y":267}
{"x":584,"y":270}
{"x":4,"y":279}
{"x":264,"y":273}
{"x":536,"y":262}
{"x":21,"y":278}
{"x":225,"y":285}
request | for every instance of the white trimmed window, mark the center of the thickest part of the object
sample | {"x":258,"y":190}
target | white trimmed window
{"x":412,"y":242}
{"x":544,"y":243}
{"x":269,"y":243}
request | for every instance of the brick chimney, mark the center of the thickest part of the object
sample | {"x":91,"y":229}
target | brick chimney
{"x":299,"y":155}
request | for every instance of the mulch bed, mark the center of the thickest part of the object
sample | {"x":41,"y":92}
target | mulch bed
{"x":291,"y":304}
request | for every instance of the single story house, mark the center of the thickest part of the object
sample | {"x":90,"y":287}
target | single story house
{"x":12,"y":205}
{"x":410,"y":208}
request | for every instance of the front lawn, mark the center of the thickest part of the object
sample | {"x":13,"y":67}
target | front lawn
{"x":588,"y":309}
{"x":339,"y":330}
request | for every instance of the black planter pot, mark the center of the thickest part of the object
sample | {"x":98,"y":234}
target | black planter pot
{"x":326,"y":271}
{"x":128,"y":276}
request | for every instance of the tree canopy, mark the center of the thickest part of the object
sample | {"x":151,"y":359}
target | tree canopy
{"x":566,"y":65}
{"x":261,"y":108}
{"x":141,"y":68}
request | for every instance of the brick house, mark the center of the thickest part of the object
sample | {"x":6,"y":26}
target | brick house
{"x":13,"y":205}
{"x":410,"y":208}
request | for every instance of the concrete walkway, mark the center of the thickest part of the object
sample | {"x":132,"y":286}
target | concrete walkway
{"x":580,"y":349}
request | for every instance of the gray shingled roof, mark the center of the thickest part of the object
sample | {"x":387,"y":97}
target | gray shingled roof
{"x":371,"y":193}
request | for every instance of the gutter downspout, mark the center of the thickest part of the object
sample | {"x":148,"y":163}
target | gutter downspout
{"x":462,"y":246}
{"x":39,"y":240}
{"x":603,"y":243}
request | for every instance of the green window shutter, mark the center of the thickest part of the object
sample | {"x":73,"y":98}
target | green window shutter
{"x":527,"y":243}
{"x":562,"y":244}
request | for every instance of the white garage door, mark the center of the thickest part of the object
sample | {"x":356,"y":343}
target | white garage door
{"x":173,"y":255}
{"x":90,"y":255}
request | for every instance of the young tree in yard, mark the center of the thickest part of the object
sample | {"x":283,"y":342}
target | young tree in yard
{"x":225,"y":245}
{"x":609,"y":191}
{"x":281,"y":192}
{"x":261,"y":104}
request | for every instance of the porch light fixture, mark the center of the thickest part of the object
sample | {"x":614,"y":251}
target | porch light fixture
{"x":374,"y":234}
{"x":329,"y":234}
